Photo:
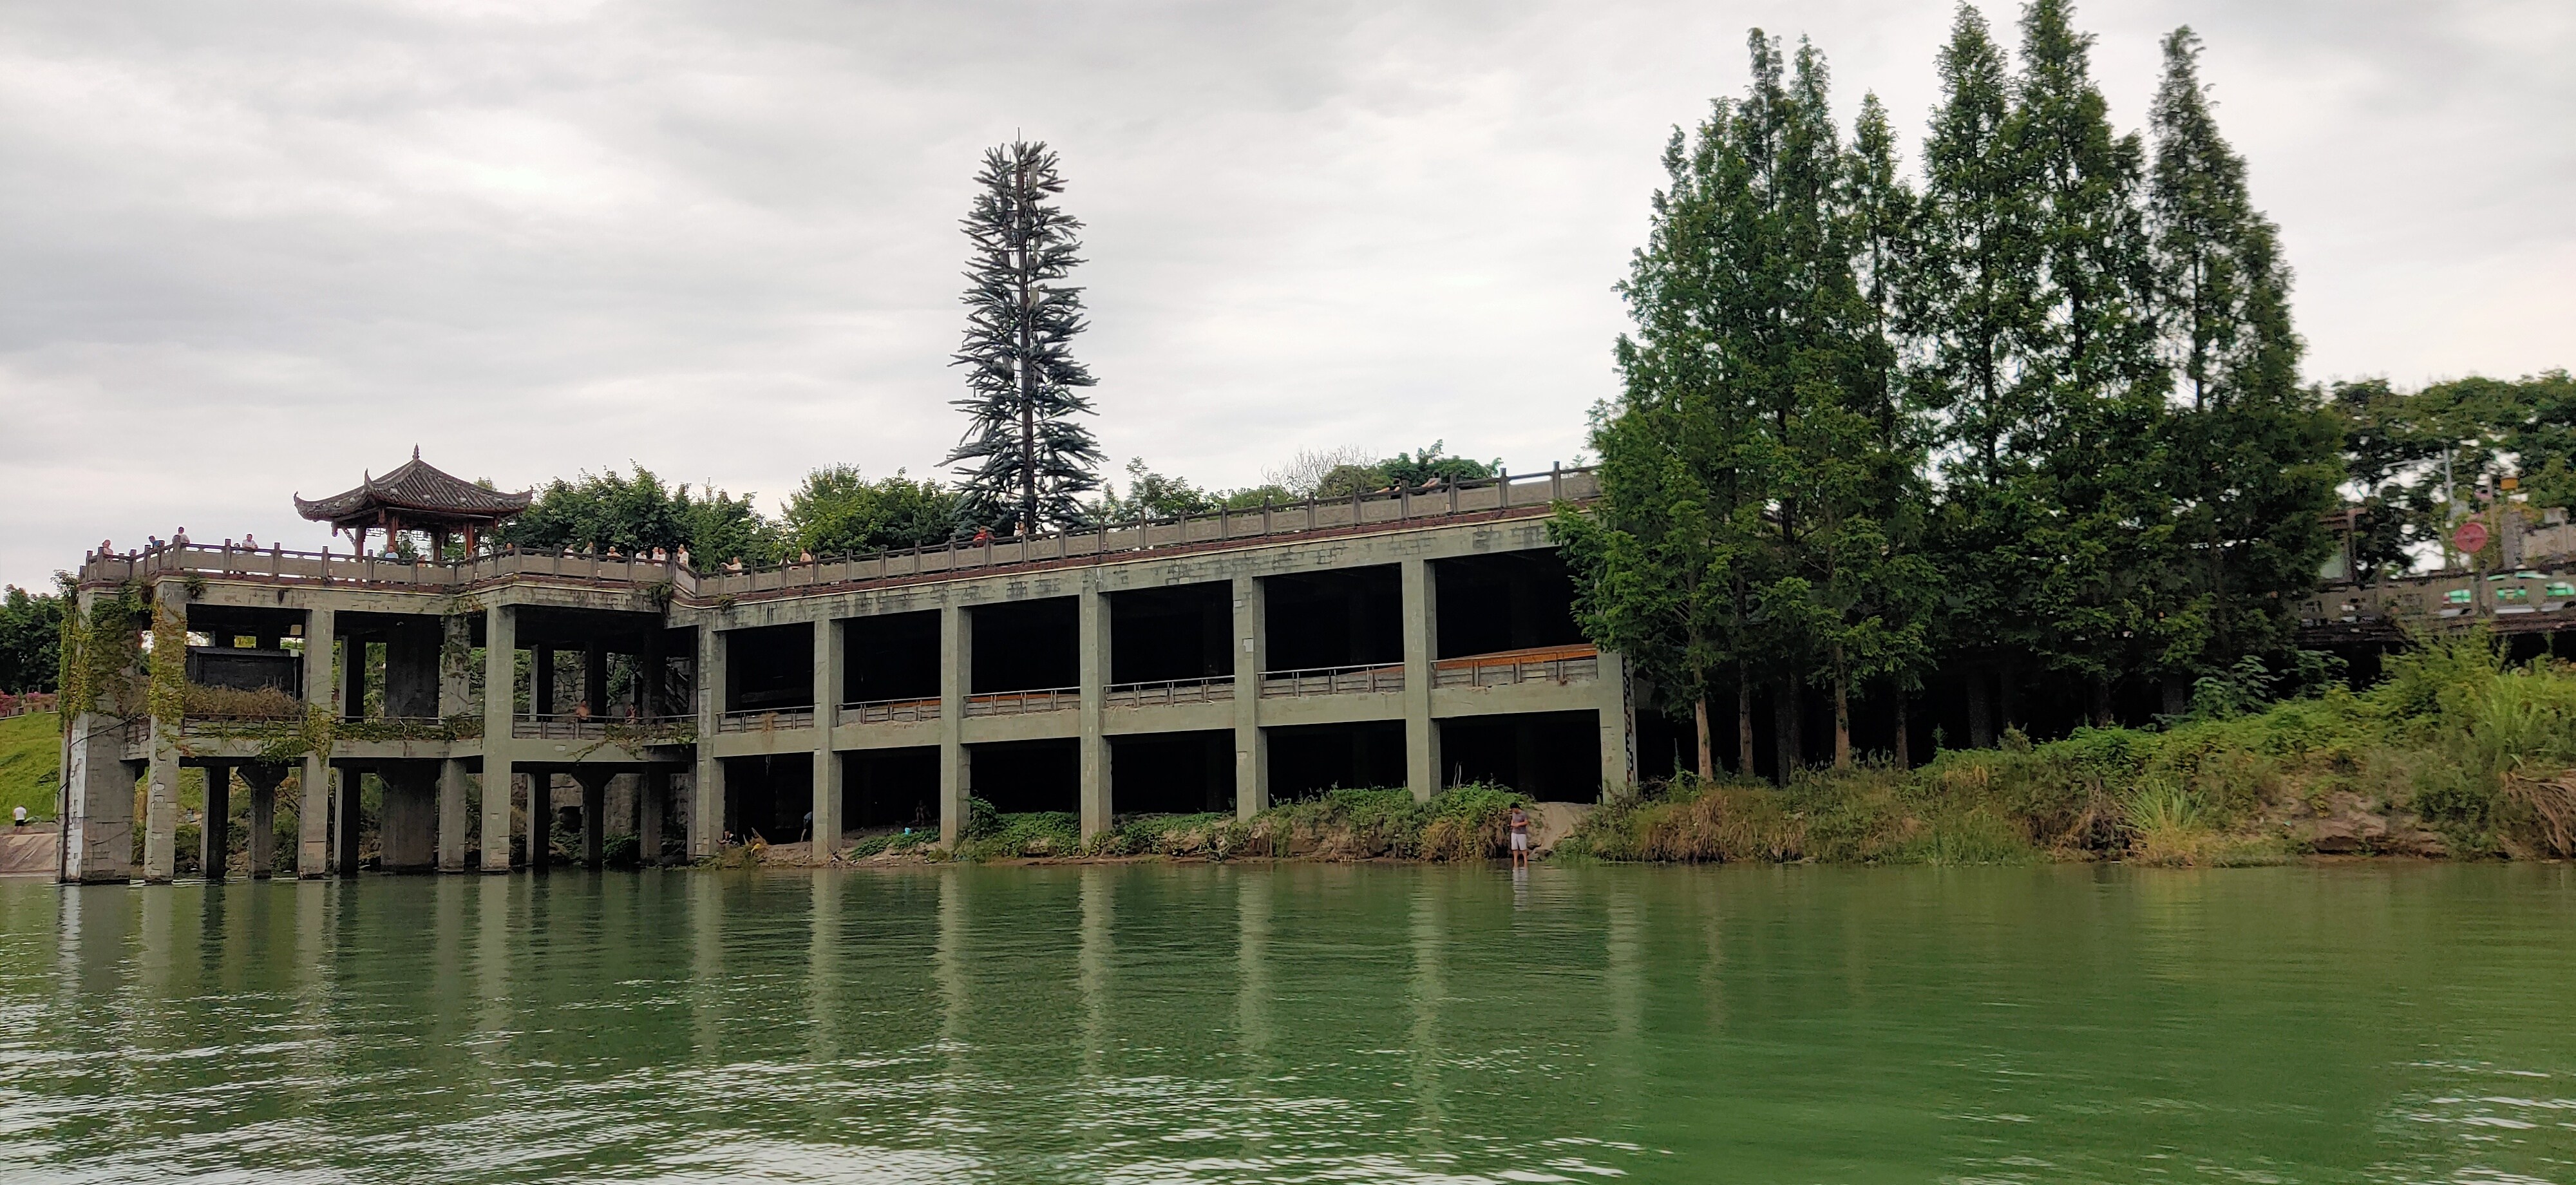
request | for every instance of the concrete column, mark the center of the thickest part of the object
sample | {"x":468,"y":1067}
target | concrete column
{"x":956,"y":656}
{"x":407,"y":837}
{"x":828,"y":656}
{"x":161,"y":788}
{"x":541,"y":822}
{"x":98,"y":802}
{"x":1251,"y":654}
{"x":214,"y":838}
{"x":453,"y":808}
{"x":1618,"y":727}
{"x":500,"y":694}
{"x":262,"y":846}
{"x":412,"y":670}
{"x":594,"y":816}
{"x":706,"y":791}
{"x":1092,"y":641}
{"x":455,"y":665}
{"x":651,"y":799}
{"x":353,"y":677}
{"x":594,"y":679}
{"x":313,"y":815}
{"x":1421,"y":643}
{"x":541,"y":691}
{"x":345,"y":819}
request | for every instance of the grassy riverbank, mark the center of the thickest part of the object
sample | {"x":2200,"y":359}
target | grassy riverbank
{"x":31,"y":751}
{"x":2455,"y":754}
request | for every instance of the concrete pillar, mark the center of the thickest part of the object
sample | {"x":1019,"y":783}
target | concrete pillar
{"x":651,"y":800}
{"x":541,"y":692}
{"x":706,"y":790}
{"x":353,"y":676}
{"x":214,"y":837}
{"x":161,"y":787}
{"x":1421,"y":643}
{"x":828,"y":783}
{"x":407,"y":839}
{"x":98,"y":802}
{"x":594,"y":816}
{"x":541,"y":821}
{"x":956,"y":656}
{"x":453,"y":811}
{"x":412,"y":674}
{"x":455,"y":665}
{"x":346,"y":818}
{"x":313,"y":815}
{"x":1251,"y":653}
{"x":261,"y":853}
{"x":1618,"y":727}
{"x":500,"y":693}
{"x":1092,"y":640}
{"x":594,"y":679}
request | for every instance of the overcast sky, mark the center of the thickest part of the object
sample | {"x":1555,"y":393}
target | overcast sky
{"x":251,"y":249}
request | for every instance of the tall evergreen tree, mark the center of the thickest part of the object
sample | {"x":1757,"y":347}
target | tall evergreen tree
{"x":1029,"y":460}
{"x":1665,"y":562}
{"x":2253,"y":456}
{"x":2111,"y":598}
{"x":1968,"y":312}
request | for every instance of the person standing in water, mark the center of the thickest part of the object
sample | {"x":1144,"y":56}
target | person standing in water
{"x":1520,"y":837}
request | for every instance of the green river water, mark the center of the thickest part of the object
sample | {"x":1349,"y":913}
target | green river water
{"x":1300,"y":1023}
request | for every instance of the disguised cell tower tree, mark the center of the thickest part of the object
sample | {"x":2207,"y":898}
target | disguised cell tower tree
{"x":1025,"y":458}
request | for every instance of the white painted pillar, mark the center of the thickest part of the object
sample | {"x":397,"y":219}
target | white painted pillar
{"x":1421,"y":643}
{"x":1251,"y":654}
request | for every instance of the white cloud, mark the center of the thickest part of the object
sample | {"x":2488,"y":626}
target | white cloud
{"x":255,"y":248}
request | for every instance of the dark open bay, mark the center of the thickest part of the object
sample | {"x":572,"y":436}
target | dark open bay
{"x":2377,"y":1022}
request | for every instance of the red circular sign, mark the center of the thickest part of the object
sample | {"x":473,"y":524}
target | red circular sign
{"x":2471,"y":536}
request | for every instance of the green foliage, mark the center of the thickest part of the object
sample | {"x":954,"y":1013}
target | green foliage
{"x":31,"y":628}
{"x":1432,"y":463}
{"x":1151,"y":495}
{"x":637,"y":512}
{"x":1029,"y":834}
{"x":840,"y":512}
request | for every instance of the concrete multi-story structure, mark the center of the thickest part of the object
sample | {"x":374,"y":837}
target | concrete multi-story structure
{"x":1411,"y":637}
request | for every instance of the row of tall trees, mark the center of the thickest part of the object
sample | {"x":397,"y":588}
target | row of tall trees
{"x":2032,"y":407}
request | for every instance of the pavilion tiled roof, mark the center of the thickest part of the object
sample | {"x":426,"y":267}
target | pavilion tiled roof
{"x":418,"y":494}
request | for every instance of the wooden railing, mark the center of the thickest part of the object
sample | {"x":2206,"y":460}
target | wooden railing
{"x":1018,"y":703}
{"x":1382,"y":677}
{"x":1160,"y":693}
{"x":1524,"y":492}
{"x":890,"y":711}
{"x":564,"y":727}
{"x":1552,"y":664}
{"x":765,"y":719}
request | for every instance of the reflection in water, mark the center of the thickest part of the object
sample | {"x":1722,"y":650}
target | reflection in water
{"x":1297,"y":1022}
